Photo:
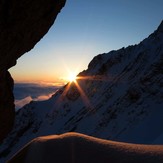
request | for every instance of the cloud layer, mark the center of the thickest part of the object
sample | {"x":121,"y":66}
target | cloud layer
{"x":26,"y":92}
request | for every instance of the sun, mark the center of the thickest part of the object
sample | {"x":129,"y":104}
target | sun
{"x":72,"y":77}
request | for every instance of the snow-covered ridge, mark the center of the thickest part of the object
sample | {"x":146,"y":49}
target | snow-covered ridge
{"x":79,"y":148}
{"x":119,"y":97}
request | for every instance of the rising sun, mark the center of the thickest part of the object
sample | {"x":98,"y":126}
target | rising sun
{"x":72,"y":77}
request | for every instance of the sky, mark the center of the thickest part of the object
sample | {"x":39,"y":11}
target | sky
{"x":82,"y":30}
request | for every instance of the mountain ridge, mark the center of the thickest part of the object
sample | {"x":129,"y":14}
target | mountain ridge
{"x":119,"y":97}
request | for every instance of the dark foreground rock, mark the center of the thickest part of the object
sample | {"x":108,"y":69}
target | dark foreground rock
{"x":22,"y":24}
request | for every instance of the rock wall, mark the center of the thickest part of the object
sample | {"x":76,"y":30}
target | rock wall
{"x":6,"y":103}
{"x":22,"y":24}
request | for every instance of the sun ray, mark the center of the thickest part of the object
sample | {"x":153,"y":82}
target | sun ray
{"x":72,"y":77}
{"x":83,"y":95}
{"x":96,"y":78}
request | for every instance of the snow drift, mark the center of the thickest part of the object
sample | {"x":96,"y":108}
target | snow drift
{"x":78,"y":148}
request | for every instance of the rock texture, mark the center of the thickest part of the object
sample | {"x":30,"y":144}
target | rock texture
{"x":22,"y":24}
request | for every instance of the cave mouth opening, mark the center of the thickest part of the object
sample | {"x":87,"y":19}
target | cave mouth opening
{"x":22,"y":26}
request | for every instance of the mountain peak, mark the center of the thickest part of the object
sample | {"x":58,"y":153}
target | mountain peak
{"x":160,"y":28}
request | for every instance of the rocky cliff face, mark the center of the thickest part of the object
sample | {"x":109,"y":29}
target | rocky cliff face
{"x":7,"y":112}
{"x":119,"y":97}
{"x":22,"y":24}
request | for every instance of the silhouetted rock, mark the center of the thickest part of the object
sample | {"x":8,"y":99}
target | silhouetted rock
{"x":7,"y":112}
{"x":22,"y":24}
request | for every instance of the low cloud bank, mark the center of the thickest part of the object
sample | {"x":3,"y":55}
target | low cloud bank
{"x":27,"y":92}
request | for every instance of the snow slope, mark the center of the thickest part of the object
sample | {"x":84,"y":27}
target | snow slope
{"x":119,"y":97}
{"x":79,"y":148}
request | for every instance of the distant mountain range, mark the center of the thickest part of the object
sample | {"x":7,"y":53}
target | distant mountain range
{"x":119,"y":97}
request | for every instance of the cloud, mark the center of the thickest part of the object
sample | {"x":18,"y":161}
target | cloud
{"x":27,"y":92}
{"x":43,"y":97}
{"x":20,"y":103}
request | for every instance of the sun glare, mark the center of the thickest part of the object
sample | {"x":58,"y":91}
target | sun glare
{"x":72,"y":77}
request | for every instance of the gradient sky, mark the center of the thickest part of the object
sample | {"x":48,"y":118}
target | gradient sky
{"x":84,"y":29}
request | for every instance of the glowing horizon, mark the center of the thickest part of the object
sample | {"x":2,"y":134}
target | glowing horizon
{"x":83,"y":30}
